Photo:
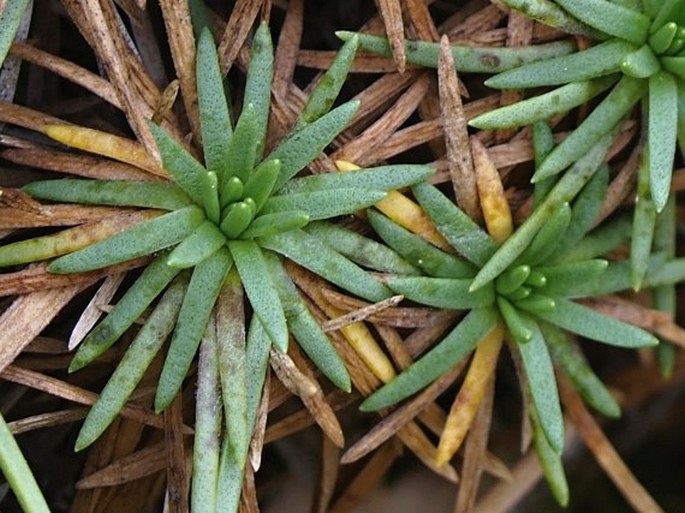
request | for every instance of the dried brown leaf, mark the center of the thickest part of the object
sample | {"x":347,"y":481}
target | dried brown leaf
{"x":239,"y":24}
{"x":391,"y":12}
{"x":455,"y":131}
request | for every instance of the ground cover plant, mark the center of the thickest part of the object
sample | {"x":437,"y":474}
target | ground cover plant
{"x":221,"y":214}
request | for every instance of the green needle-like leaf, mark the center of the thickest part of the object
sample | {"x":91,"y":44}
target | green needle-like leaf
{"x":162,"y":195}
{"x":328,"y":87}
{"x":610,"y":18}
{"x":543,"y":143}
{"x":515,"y":321}
{"x":564,"y":191}
{"x":543,"y":386}
{"x":600,"y":241}
{"x":304,"y":327}
{"x":564,"y":276}
{"x":470,"y":59}
{"x":549,"y":13}
{"x":661,"y":135}
{"x":144,"y":290}
{"x":260,"y":289}
{"x":311,"y":253}
{"x":453,"y":348}
{"x":258,"y":84}
{"x":242,"y":150}
{"x":143,"y":239}
{"x":203,"y":289}
{"x":16,"y":470}
{"x":187,"y":172}
{"x":466,"y":236}
{"x":416,"y":250}
{"x":384,"y":178}
{"x":552,"y":465}
{"x":641,"y":63}
{"x":272,"y":224}
{"x":260,"y":184}
{"x":133,"y":365}
{"x":591,"y":324}
{"x":442,"y":292}
{"x":543,"y":106}
{"x":229,"y":317}
{"x":237,"y":218}
{"x":324,"y":204}
{"x":597,"y":61}
{"x":548,"y":238}
{"x":199,"y":245}
{"x":600,"y":122}
{"x":572,"y":363}
{"x":361,"y":250}
{"x":301,"y":147}
{"x":215,"y":120}
{"x":586,"y":208}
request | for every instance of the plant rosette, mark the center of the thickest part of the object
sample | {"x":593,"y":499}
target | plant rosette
{"x":552,"y":260}
{"x":640,"y":55}
{"x":211,"y":231}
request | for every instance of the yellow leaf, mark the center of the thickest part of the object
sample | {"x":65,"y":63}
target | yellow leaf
{"x":102,"y":143}
{"x":466,"y":404}
{"x":404,"y":212}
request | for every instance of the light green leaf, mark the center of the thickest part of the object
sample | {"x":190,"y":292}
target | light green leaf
{"x":305,"y":328}
{"x":156,"y":276}
{"x":324,"y":204}
{"x":600,"y":122}
{"x":551,"y":462}
{"x":260,"y":289}
{"x":10,"y":19}
{"x":133,"y":365}
{"x":607,"y":237}
{"x":591,"y":324}
{"x":573,"y":364}
{"x":260,"y":183}
{"x":442,"y":292}
{"x":203,"y":289}
{"x":197,"y":246}
{"x":543,"y":106}
{"x":215,"y":119}
{"x":258,"y":84}
{"x":564,"y":191}
{"x":644,"y":220}
{"x":549,"y":13}
{"x":610,"y":18}
{"x":452,"y":349}
{"x":547,"y":239}
{"x":311,"y":253}
{"x":596,"y":61}
{"x":242,"y":150}
{"x":459,"y":229}
{"x":416,"y":250}
{"x":469,"y":59}
{"x":16,"y":470}
{"x":303,"y":146}
{"x":542,"y":384}
{"x":142,"y":239}
{"x":661,"y":135}
{"x":272,"y":224}
{"x":564,"y":276}
{"x":361,"y":250}
{"x":382,"y":178}
{"x":187,"y":172}
{"x":328,"y":87}
{"x":162,"y":195}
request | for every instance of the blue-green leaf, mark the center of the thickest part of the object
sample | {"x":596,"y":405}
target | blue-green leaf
{"x":324,"y":204}
{"x":442,"y":292}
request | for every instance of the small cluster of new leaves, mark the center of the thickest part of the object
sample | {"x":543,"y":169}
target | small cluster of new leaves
{"x":544,"y":266}
{"x":215,"y":229}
